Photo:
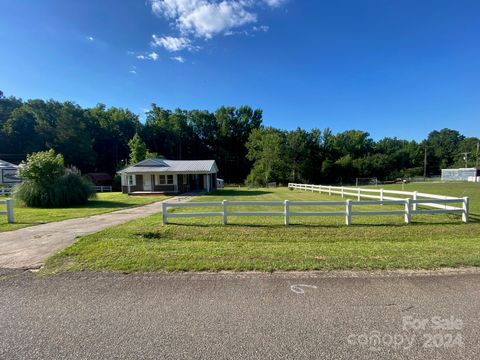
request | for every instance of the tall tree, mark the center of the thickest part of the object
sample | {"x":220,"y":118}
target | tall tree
{"x":266,"y":147}
{"x":138,"y":149}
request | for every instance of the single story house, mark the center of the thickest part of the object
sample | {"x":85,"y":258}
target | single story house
{"x":169,"y":176}
{"x":8,"y":173}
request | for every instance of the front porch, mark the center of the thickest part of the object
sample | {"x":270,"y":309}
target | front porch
{"x":157,"y":183}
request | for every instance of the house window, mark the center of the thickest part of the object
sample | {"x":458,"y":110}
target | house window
{"x":131,"y":180}
{"x":166,"y":179}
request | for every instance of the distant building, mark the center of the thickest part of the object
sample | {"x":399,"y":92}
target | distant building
{"x":8,"y":173}
{"x":462,"y":174}
{"x":100,"y":179}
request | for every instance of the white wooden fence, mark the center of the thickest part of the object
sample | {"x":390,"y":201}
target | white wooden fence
{"x":380,"y":194}
{"x":102,"y":188}
{"x":410,"y":208}
{"x":9,"y":211}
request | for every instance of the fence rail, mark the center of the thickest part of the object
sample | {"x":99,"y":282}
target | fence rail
{"x":9,"y":211}
{"x":409,"y":209}
{"x":380,"y":194}
{"x":5,"y":191}
{"x":102,"y":188}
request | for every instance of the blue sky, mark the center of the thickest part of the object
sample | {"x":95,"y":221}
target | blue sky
{"x":390,"y":67}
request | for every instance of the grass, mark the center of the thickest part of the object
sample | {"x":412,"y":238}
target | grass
{"x":265,"y":244}
{"x":103,"y":203}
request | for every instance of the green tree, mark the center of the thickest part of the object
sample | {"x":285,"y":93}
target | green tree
{"x":442,"y":149}
{"x":47,"y":183}
{"x":266,"y":148}
{"x":43,"y":167}
{"x":138,"y":149}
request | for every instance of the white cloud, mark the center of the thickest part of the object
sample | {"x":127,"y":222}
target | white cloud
{"x":274,"y":3}
{"x":171,"y":43}
{"x":205,"y":18}
{"x":132,"y":72}
{"x":179,"y":59}
{"x":90,"y":38}
{"x":263,"y":28}
{"x":151,"y":56}
{"x":210,"y":19}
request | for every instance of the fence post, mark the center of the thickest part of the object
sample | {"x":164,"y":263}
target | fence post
{"x":408,"y":215}
{"x":359,"y":197}
{"x":330,"y":190}
{"x":348,"y":212}
{"x":381,"y":195}
{"x":465,"y":209}
{"x":10,"y":211}
{"x":415,"y":196}
{"x":225,"y":212}
{"x":164,"y":213}
{"x":285,"y":211}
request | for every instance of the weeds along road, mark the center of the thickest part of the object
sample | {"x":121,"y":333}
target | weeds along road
{"x":241,"y":316}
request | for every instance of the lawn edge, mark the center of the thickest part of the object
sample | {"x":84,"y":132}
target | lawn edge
{"x":344,"y":273}
{"x":85,"y":217}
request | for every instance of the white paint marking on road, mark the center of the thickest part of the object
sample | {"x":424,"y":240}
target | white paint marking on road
{"x":299,"y":288}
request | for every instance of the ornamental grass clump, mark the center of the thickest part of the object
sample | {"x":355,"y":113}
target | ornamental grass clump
{"x":46,"y":182}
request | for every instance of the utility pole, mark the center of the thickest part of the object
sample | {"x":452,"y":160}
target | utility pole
{"x":425,"y":166}
{"x":478,"y":151}
{"x":476,"y":161}
{"x":465,"y":157}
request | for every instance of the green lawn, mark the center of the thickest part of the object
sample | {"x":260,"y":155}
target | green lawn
{"x":103,"y":203}
{"x":265,"y":244}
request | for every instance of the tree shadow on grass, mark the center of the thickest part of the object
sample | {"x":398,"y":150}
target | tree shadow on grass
{"x":331,"y":226}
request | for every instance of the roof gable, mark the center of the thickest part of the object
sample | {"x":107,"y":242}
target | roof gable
{"x":7,"y":165}
{"x":153,"y":162}
{"x":173,"y":166}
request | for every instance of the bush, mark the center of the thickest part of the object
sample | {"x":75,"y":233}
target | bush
{"x":47,"y":183}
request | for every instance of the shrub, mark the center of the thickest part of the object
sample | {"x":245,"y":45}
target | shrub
{"x":47,"y":183}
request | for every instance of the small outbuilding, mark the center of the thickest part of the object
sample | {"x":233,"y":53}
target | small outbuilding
{"x":462,"y":174}
{"x":169,"y":176}
{"x":100,"y":179}
{"x":8,"y":173}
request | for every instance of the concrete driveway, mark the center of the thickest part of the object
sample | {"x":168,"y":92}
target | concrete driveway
{"x":240,"y":316}
{"x":30,"y":247}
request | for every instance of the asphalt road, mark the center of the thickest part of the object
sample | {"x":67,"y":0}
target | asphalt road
{"x":240,"y":316}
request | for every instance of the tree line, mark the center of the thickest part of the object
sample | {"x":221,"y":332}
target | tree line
{"x":323,"y":157}
{"x":97,"y":139}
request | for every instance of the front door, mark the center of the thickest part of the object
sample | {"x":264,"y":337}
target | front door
{"x":148,"y":182}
